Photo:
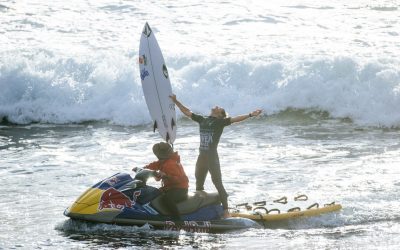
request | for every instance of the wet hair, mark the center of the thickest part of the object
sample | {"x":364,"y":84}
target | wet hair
{"x":223,"y":113}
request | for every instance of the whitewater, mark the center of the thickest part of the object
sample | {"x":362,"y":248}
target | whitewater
{"x":325,"y":73}
{"x":75,"y":62}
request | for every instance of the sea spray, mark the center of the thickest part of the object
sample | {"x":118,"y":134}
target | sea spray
{"x":44,"y":86}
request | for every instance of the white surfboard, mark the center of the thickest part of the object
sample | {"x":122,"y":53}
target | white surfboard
{"x":156,"y":85}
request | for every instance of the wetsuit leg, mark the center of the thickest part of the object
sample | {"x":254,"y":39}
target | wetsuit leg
{"x":171,"y":198}
{"x":215,"y":171}
{"x":201,"y":170}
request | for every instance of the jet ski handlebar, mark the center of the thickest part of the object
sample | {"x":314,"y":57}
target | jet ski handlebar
{"x":143,"y":174}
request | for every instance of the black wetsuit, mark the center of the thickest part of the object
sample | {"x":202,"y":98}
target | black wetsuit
{"x":210,"y":132}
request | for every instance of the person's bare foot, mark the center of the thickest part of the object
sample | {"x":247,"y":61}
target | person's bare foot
{"x":226,"y":214}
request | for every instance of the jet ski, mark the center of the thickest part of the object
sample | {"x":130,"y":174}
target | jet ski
{"x":123,"y":200}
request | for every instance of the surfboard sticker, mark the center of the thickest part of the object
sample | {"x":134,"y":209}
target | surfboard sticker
{"x":142,"y":59}
{"x":165,"y":71}
{"x":156,"y":85}
{"x":146,"y":30}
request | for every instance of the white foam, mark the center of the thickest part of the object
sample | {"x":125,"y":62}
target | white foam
{"x":47,"y":87}
{"x":59,"y":66}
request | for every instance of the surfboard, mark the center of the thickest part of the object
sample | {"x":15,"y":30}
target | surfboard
{"x":283,"y":209}
{"x":156,"y":85}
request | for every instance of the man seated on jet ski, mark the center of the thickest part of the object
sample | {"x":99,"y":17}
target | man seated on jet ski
{"x":174,"y":182}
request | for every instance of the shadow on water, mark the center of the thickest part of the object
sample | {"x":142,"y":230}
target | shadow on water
{"x":112,"y":236}
{"x":97,"y":235}
{"x":14,"y":136}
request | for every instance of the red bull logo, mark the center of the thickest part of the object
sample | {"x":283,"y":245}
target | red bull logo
{"x":114,"y":199}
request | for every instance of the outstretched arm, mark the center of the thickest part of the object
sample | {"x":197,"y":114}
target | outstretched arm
{"x":182,"y":107}
{"x":240,"y":118}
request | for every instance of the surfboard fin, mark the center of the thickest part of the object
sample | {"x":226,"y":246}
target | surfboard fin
{"x":167,"y":139}
{"x":173,"y":123}
{"x":154,"y":126}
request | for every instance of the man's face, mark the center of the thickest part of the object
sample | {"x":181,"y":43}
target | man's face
{"x":218,"y":112}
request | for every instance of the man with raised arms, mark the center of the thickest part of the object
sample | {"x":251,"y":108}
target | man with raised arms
{"x":211,"y":128}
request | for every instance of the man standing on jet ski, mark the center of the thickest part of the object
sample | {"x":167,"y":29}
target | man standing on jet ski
{"x":174,"y":182}
{"x":211,"y":128}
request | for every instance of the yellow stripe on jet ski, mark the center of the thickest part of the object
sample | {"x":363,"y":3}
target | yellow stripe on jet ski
{"x":87,"y":203}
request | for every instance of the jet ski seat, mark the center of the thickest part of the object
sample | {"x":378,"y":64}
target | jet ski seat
{"x":194,"y":202}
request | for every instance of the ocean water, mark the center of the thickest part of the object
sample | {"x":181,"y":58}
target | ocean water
{"x":325,"y":73}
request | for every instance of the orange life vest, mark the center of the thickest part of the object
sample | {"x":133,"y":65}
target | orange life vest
{"x":172,"y":167}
